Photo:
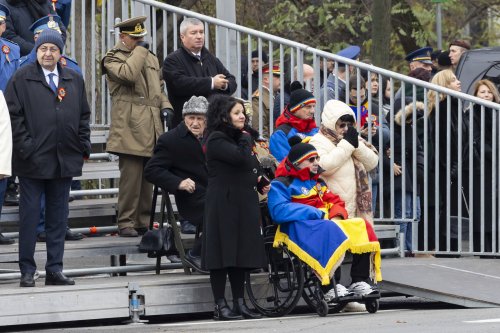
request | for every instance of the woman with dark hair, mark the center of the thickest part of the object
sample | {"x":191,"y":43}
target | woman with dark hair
{"x":232,"y":241}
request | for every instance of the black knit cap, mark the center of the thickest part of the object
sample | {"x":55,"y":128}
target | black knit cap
{"x":49,"y":36}
{"x":300,"y":151}
{"x":299,"y":97}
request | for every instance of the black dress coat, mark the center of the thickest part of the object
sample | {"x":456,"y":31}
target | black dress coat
{"x":178,"y":155}
{"x":187,"y":76}
{"x":486,"y":196}
{"x":51,"y":133}
{"x":232,"y":236}
{"x":405,"y":152}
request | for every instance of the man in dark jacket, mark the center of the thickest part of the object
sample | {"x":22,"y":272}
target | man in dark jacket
{"x":178,"y":166}
{"x":22,"y":14}
{"x":51,"y":137}
{"x":193,"y":71}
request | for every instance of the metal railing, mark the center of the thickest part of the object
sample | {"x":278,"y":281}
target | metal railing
{"x":437,"y":233}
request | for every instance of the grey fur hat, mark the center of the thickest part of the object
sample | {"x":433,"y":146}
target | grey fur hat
{"x":197,"y":105}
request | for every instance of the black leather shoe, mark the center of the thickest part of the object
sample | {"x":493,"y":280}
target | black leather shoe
{"x":223,"y":312}
{"x":194,"y":262}
{"x":27,"y":280}
{"x":187,"y":227}
{"x":141,"y":231}
{"x":58,"y":279}
{"x":11,"y":198}
{"x":5,"y":241}
{"x":241,"y":308}
{"x":73,"y":236}
{"x":41,"y":237}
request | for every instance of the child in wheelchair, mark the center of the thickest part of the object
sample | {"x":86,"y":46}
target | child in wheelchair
{"x":313,"y":224}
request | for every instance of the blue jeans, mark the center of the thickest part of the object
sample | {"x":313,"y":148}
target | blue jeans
{"x":405,"y":227}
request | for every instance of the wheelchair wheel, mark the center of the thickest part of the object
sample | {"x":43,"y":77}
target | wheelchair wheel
{"x":276,"y":292}
{"x":313,"y":294}
{"x":323,"y":308}
{"x":372,"y":305}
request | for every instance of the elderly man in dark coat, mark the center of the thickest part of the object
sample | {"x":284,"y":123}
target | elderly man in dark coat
{"x":193,"y":71}
{"x":178,"y":166}
{"x":51,"y":137}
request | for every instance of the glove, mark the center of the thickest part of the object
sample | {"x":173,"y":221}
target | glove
{"x":143,"y":43}
{"x":167,"y":115}
{"x":351,"y":136}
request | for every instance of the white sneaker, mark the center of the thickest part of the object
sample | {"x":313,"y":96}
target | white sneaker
{"x":361,"y":288}
{"x":354,"y":307}
{"x":341,"y":292}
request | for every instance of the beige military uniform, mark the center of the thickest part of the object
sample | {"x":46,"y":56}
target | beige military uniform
{"x":137,"y":96}
{"x":266,"y":110}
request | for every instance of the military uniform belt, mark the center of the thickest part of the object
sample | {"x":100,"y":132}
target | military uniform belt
{"x":155,"y":102}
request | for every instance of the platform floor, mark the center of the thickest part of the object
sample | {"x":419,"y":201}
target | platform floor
{"x":466,"y":281}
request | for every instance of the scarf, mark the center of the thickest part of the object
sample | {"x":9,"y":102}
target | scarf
{"x":363,"y":191}
{"x":301,"y":125}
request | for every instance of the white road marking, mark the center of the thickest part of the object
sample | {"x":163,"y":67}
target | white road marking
{"x":482,"y":321}
{"x":466,"y":271}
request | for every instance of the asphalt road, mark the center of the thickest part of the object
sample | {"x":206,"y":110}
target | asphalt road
{"x":396,"y":314}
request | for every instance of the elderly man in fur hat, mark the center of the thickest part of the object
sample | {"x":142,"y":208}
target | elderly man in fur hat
{"x":178,"y":166}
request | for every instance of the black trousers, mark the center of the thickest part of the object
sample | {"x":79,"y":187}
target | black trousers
{"x":360,"y":268}
{"x":56,"y":213}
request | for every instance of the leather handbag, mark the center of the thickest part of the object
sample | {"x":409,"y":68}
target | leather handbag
{"x":157,"y":242}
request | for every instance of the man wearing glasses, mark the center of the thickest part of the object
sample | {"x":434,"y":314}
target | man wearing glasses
{"x":137,"y":96}
{"x":51,"y":138}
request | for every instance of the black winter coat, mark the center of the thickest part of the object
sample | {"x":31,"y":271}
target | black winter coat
{"x":187,"y":76}
{"x":50,"y":136}
{"x":178,"y":155}
{"x":20,"y":20}
{"x":405,"y":152}
{"x":232,"y":236}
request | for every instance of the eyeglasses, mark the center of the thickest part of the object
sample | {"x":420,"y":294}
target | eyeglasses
{"x":314,"y":158}
{"x":44,"y":49}
{"x":344,"y":125}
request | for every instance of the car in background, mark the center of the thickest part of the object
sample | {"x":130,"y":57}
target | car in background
{"x":479,"y":64}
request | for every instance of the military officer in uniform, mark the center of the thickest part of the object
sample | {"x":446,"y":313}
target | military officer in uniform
{"x":48,"y":22}
{"x":270,"y":76}
{"x":9,"y":62}
{"x":137,"y":96}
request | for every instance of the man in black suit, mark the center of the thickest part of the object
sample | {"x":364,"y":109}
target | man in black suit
{"x":51,"y":137}
{"x":178,"y":166}
{"x":192,"y":70}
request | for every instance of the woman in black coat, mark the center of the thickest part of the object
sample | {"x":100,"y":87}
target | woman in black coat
{"x":232,"y":241}
{"x":483,"y":200}
{"x":439,"y":122}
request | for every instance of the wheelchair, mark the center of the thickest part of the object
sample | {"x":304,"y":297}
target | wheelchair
{"x":286,"y":279}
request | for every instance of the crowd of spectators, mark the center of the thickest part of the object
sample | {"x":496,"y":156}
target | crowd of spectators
{"x":209,"y":161}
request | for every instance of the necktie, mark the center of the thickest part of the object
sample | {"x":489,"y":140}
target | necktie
{"x":52,"y":83}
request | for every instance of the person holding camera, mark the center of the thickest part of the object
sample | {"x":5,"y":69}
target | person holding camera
{"x":137,"y":96}
{"x":232,"y":242}
{"x":346,"y":158}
